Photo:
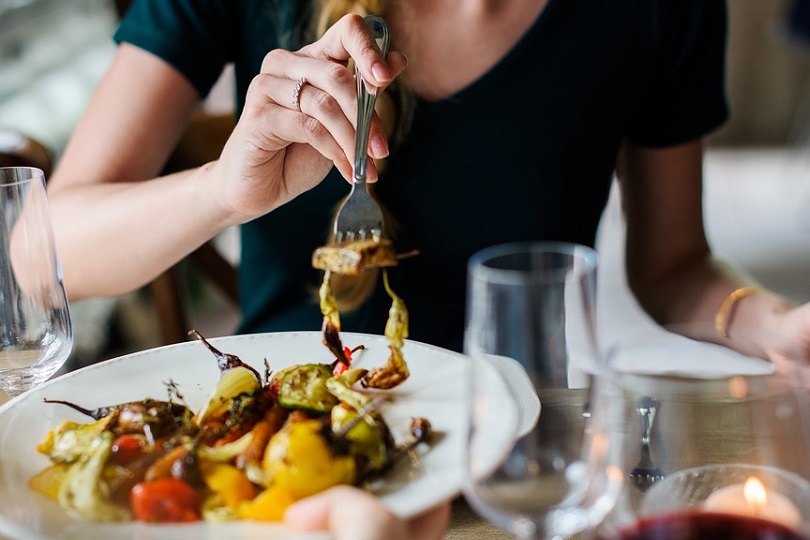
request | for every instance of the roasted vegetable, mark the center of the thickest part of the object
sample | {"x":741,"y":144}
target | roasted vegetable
{"x":331,"y":320}
{"x":167,"y":500}
{"x":151,"y":417}
{"x":229,"y":483}
{"x":269,"y":505}
{"x":127,"y":448}
{"x":70,"y":440}
{"x":260,"y":436}
{"x":234,"y":383}
{"x":225,"y":361}
{"x":351,"y":258}
{"x":370,"y":441}
{"x":396,"y":330}
{"x":304,"y":388}
{"x":304,"y":458}
{"x":252,"y":450}
{"x":83,"y":491}
{"x":395,"y":371}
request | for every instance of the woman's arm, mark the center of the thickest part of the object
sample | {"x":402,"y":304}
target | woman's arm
{"x":114,"y":230}
{"x":670,"y":266}
{"x":117,"y":227}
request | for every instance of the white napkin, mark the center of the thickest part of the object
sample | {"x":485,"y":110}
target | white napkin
{"x":679,"y":356}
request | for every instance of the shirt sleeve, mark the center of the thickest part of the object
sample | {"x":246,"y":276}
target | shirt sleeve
{"x":193,"y":36}
{"x":686,"y":97}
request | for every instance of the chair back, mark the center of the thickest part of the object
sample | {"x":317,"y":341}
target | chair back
{"x":20,"y":150}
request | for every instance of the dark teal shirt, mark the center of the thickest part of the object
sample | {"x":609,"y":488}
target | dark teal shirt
{"x":526,"y":152}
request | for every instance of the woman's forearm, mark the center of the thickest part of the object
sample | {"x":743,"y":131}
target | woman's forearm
{"x":697,"y":300}
{"x":114,"y":237}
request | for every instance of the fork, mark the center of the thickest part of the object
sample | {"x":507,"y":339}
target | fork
{"x":360,"y":217}
{"x":646,"y":473}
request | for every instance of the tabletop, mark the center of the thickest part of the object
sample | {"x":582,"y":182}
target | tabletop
{"x":734,"y":416}
{"x":465,"y":524}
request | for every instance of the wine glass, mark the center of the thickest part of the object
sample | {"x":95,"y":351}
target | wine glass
{"x":530,"y":335}
{"x":36,"y":335}
{"x":711,"y":443}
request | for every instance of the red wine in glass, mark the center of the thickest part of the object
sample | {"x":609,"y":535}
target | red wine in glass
{"x":706,"y":526}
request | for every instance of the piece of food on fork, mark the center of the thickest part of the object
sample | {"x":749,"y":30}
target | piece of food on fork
{"x":352,"y":257}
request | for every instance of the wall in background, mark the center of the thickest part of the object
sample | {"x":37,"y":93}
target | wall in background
{"x":768,"y":78}
{"x":53,"y":52}
{"x":52,"y":55}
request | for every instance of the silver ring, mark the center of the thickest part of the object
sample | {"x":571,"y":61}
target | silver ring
{"x":299,"y":84}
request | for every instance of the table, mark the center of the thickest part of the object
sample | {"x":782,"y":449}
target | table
{"x":725,"y":415}
{"x":465,"y":524}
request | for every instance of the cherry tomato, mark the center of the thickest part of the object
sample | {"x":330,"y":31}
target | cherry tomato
{"x":126,"y":449}
{"x":165,"y":500}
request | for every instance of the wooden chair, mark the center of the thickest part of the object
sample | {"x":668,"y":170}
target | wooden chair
{"x":20,"y":150}
{"x":201,"y":142}
{"x":169,"y":292}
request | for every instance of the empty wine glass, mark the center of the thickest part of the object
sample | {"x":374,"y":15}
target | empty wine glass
{"x":36,"y":335}
{"x":730,"y":449}
{"x":534,"y":462}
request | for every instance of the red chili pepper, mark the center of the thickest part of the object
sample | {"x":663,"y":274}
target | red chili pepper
{"x":165,"y":500}
{"x":340,"y":367}
{"x":126,"y":449}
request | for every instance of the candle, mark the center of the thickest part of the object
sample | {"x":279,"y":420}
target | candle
{"x":753,"y":499}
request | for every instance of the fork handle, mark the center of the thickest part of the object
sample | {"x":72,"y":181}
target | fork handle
{"x":366,"y":99}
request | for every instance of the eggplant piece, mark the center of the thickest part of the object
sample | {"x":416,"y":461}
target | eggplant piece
{"x":225,"y":361}
{"x":353,"y":257}
{"x":157,"y":416}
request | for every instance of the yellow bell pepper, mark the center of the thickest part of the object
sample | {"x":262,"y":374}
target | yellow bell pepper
{"x":48,"y":480}
{"x":299,"y":460}
{"x":269,"y":505}
{"x":231,"y":484}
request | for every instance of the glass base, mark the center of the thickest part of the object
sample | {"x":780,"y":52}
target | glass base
{"x":15,"y":382}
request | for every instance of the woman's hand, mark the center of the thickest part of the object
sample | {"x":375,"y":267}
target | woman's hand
{"x":278,"y":149}
{"x":785,"y":328}
{"x":349,"y":513}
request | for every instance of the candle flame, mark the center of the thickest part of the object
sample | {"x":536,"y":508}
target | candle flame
{"x":754,"y":492}
{"x":737,"y":387}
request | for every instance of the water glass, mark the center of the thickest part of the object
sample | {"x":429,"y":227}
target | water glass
{"x":36,"y":335}
{"x":531,"y":337}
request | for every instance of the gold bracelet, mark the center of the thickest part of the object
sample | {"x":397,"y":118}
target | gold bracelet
{"x":726,"y":309}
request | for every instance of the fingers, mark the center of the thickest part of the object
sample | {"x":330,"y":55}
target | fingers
{"x":329,"y":77}
{"x":268,"y":124}
{"x":431,"y":525}
{"x":348,"y":514}
{"x":349,"y":38}
{"x":312,"y":102}
{"x":318,"y":120}
{"x":312,"y":93}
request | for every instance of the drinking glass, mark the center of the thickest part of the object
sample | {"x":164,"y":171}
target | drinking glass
{"x":36,"y":335}
{"x":705,"y":453}
{"x":533,"y":460}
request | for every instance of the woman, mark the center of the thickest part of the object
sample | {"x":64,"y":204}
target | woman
{"x":518,"y":111}
{"x":508,"y":125}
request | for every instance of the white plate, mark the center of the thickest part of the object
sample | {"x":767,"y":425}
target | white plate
{"x":436,"y":390}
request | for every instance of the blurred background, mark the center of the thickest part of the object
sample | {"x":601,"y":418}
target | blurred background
{"x":53,"y":52}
